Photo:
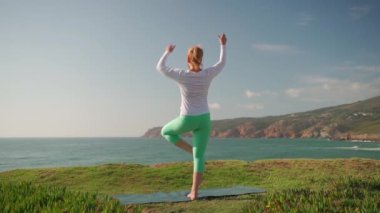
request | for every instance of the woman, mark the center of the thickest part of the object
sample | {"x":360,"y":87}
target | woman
{"x":194,"y":112}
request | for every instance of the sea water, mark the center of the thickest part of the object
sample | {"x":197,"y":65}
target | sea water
{"x":57,"y":152}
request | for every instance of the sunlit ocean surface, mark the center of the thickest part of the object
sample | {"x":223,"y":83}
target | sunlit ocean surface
{"x":57,"y":152}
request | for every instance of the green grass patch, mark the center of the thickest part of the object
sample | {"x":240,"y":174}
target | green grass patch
{"x":290,"y":183}
{"x":28,"y":197}
{"x":343,"y":195}
{"x":372,"y":127}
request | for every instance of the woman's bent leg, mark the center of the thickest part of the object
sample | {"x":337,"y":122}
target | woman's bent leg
{"x":168,"y":131}
{"x":172,"y":130}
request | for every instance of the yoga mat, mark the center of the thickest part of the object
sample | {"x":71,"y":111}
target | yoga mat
{"x":180,"y":196}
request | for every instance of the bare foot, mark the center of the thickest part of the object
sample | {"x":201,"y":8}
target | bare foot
{"x":192,"y":196}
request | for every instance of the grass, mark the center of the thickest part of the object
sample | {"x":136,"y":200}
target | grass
{"x":368,"y":127}
{"x":28,"y":197}
{"x":343,"y":195}
{"x":329,"y":185}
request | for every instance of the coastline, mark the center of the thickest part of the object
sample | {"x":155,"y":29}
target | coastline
{"x":349,"y":137}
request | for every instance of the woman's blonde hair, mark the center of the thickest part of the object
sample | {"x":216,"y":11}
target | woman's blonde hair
{"x":194,"y":57}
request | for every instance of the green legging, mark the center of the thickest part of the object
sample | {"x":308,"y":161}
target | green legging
{"x":201,"y":127}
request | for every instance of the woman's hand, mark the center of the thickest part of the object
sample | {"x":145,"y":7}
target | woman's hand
{"x":170,"y":48}
{"x":222,"y":39}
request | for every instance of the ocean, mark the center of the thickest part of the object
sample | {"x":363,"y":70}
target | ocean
{"x":18,"y":153}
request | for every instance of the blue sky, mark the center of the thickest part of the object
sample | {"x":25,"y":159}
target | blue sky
{"x":87,"y":68}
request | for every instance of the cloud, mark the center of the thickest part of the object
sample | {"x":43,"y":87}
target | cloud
{"x":252,"y":106}
{"x":251,"y":94}
{"x":214,"y":106}
{"x":304,"y":19}
{"x":293,"y":92}
{"x":319,"y":80}
{"x":325,"y":89}
{"x":359,"y":68}
{"x":269,"y":93}
{"x":275,"y":48}
{"x":358,"y":12}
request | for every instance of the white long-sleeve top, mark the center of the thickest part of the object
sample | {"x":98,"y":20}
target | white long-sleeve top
{"x":193,"y":86}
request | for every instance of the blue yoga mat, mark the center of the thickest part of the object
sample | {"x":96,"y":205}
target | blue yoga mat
{"x":181,"y":196}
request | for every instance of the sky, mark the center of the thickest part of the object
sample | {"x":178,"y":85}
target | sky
{"x":87,"y":68}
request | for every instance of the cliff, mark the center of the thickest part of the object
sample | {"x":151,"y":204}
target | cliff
{"x":355,"y":121}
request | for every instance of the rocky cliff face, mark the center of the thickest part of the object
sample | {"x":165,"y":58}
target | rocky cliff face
{"x":357,"y":121}
{"x":153,"y":132}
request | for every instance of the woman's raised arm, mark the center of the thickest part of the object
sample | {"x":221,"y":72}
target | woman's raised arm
{"x":217,"y":68}
{"x":161,"y":65}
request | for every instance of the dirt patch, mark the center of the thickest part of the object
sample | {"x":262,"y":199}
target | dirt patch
{"x":356,"y":165}
{"x":216,"y":163}
{"x":270,"y":165}
{"x":44,"y":174}
{"x":361,"y":165}
{"x":161,"y":165}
